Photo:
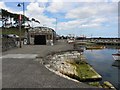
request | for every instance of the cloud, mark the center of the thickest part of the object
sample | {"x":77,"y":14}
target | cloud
{"x":42,"y":0}
{"x":3,"y":6}
{"x":79,"y":24}
{"x":25,"y":0}
{"x":92,"y":9}
{"x":83,"y":0}
{"x":68,"y":25}
{"x":90,"y":16}
{"x":61,"y":6}
{"x":34,"y":10}
{"x":55,"y":7}
{"x":80,"y":13}
{"x":93,"y":25}
{"x":72,"y":16}
{"x":99,"y":20}
{"x":60,"y":0}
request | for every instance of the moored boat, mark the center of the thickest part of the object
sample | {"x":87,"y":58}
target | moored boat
{"x":94,"y":47}
{"x":116,"y":56}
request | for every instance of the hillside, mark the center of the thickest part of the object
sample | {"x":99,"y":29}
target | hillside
{"x":12,"y":31}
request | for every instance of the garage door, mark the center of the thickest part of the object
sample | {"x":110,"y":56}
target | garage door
{"x":40,"y":40}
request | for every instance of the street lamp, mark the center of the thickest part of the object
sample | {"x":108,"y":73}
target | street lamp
{"x":19,"y":5}
{"x":56,"y":24}
{"x":23,"y":4}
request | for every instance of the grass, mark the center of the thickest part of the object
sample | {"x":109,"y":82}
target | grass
{"x":85,"y":72}
{"x":107,"y":84}
{"x":97,"y":84}
{"x":13,"y":31}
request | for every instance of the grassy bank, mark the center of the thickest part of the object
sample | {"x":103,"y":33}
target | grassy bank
{"x":12,"y":31}
{"x":85,"y":72}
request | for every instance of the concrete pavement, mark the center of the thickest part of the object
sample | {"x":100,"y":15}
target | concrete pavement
{"x":29,"y":73}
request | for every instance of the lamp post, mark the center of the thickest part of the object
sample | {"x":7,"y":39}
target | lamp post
{"x":20,"y":18}
{"x":23,"y":4}
{"x":56,"y":24}
{"x":20,"y":30}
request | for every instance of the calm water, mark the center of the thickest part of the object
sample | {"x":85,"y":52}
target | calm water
{"x":102,"y":62}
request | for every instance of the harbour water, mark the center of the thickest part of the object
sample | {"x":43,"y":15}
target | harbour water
{"x":102,"y":61}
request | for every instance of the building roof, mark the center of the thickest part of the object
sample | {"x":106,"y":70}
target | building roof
{"x":43,"y":30}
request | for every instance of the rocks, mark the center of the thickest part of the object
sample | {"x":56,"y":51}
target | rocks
{"x":62,"y":62}
{"x":72,"y":64}
{"x":107,"y":84}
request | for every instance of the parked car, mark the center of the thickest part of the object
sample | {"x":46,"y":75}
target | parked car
{"x":4,"y":36}
{"x":13,"y":36}
{"x":1,"y":36}
{"x":71,"y":40}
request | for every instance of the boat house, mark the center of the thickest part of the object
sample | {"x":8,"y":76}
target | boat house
{"x":41,"y":36}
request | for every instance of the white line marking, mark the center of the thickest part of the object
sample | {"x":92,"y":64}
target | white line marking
{"x":19,"y":56}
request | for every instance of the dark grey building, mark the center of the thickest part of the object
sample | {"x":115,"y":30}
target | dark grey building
{"x":42,"y":36}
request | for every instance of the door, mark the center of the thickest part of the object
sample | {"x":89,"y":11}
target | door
{"x":40,"y":40}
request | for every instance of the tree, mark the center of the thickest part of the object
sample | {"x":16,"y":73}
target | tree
{"x":6,"y":15}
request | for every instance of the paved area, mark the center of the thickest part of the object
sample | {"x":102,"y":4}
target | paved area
{"x":19,"y":56}
{"x":0,"y":73}
{"x":20,"y":71}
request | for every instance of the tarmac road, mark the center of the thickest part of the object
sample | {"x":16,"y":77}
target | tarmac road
{"x":25,"y":72}
{"x":0,"y":73}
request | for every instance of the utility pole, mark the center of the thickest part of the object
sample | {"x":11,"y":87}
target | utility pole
{"x":91,"y":35}
{"x":56,"y":25}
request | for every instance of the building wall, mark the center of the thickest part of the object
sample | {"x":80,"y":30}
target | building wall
{"x":48,"y":32}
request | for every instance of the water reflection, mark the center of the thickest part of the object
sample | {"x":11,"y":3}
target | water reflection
{"x":102,"y":61}
{"x":116,"y":64}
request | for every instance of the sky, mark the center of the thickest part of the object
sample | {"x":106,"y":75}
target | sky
{"x":90,"y":18}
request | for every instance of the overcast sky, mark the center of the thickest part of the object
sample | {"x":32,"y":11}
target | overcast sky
{"x":97,"y":18}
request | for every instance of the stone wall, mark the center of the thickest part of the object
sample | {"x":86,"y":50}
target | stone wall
{"x":8,"y":43}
